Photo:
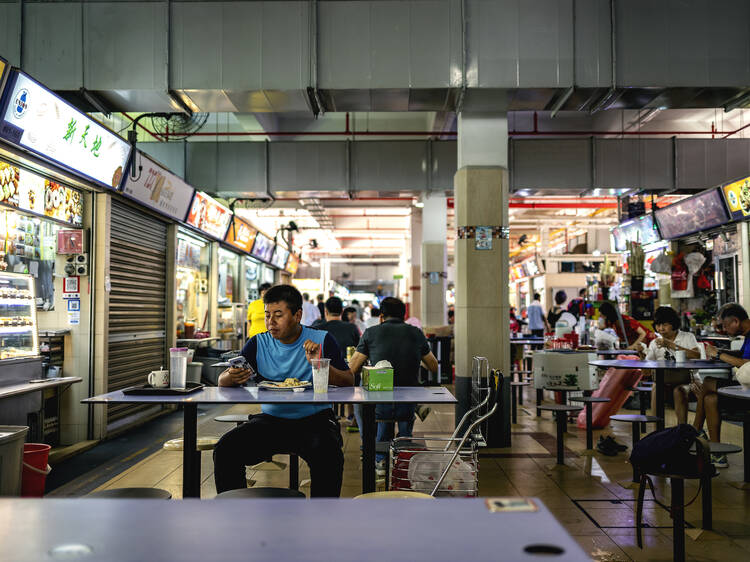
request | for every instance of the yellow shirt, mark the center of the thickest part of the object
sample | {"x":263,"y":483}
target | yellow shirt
{"x":256,"y":315}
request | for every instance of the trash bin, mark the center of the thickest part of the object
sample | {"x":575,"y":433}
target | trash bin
{"x":194,"y":370}
{"x":11,"y":458}
{"x":35,"y":469}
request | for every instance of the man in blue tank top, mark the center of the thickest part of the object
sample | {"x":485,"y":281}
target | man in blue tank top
{"x":308,"y":430}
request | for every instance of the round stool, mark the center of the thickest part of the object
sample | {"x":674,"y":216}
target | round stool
{"x":561,"y":412}
{"x":202,"y":444}
{"x":588,"y":402}
{"x":514,"y":407}
{"x":247,"y":493}
{"x":635,"y":420}
{"x":642,"y":389}
{"x":132,"y":493}
{"x":394,"y":494}
{"x":239,"y":419}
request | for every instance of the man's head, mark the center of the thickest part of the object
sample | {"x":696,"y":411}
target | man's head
{"x":320,"y":297}
{"x":582,"y":293}
{"x":263,"y":288}
{"x":560,"y":297}
{"x":374,"y":312}
{"x":349,"y":314}
{"x":334,"y":308}
{"x":391,"y":307}
{"x":283,"y":306}
{"x":305,"y":297}
{"x":730,"y":318}
{"x":537,"y":296}
{"x":666,"y":321}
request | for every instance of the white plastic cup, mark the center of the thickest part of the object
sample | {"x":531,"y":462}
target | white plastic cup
{"x":680,"y":356}
{"x":320,"y":374}
{"x":178,"y":360}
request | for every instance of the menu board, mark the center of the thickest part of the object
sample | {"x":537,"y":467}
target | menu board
{"x":640,"y":229}
{"x":159,"y":189}
{"x":241,"y":235}
{"x":188,"y":255}
{"x":737,"y":196}
{"x":209,"y":216}
{"x":35,"y":118}
{"x":699,"y":212}
{"x":280,"y":255}
{"x":292,"y":263}
{"x":263,"y":248}
{"x":31,"y":192}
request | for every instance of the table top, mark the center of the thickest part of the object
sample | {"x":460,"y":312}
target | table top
{"x":255,"y":395}
{"x":329,"y":530}
{"x":614,"y":352}
{"x":527,"y":341}
{"x":27,"y":387}
{"x":637,"y":364}
{"x":735,"y":392}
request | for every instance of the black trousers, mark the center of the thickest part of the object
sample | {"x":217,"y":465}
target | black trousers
{"x":538,"y":333}
{"x":317,"y":439}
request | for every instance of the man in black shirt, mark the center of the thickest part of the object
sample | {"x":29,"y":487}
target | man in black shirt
{"x":345,"y":333}
{"x":405,"y":347}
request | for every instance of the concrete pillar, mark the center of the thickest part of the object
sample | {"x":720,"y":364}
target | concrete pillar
{"x":415,"y":264}
{"x":743,"y":233}
{"x":482,"y":325}
{"x":434,"y":260}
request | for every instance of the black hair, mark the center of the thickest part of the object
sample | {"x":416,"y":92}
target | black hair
{"x":348,"y":311}
{"x":305,"y":296}
{"x":320,"y":297}
{"x":284,"y":293}
{"x":537,"y":296}
{"x":667,"y":315}
{"x":355,"y":301}
{"x":732,"y":310}
{"x":264,"y":287}
{"x":374,"y":312}
{"x":608,"y":310}
{"x":334,"y":306}
{"x":582,"y":293}
{"x":451,"y":312}
{"x":391,"y":307}
{"x":574,"y":309}
{"x":560,"y":297}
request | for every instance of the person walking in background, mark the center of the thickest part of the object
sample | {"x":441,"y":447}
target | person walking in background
{"x":537,"y":321}
{"x":350,"y":315}
{"x":374,"y":318}
{"x":256,"y":315}
{"x":556,"y":310}
{"x":321,"y":305}
{"x":310,"y":312}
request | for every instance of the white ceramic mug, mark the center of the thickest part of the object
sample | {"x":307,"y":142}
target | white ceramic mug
{"x":158,"y":379}
{"x":680,"y":356}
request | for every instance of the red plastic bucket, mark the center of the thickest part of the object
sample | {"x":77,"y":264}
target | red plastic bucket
{"x":35,"y":469}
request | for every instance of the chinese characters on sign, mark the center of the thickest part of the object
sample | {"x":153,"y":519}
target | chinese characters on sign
{"x":159,"y":189}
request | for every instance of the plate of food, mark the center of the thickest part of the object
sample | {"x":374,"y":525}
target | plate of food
{"x":287,"y":384}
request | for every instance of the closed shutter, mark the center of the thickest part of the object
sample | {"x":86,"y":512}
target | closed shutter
{"x":137,"y":301}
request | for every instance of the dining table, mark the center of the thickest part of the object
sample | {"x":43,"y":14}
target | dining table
{"x":660,"y":369}
{"x":257,"y":395}
{"x":740,"y":393}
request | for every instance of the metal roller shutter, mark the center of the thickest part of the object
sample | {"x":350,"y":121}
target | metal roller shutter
{"x":137,"y":301}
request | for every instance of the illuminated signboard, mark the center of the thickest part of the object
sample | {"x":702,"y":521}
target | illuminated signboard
{"x":280,"y":255}
{"x":263,"y":248}
{"x":4,"y":68}
{"x":641,"y":229}
{"x":241,"y":235}
{"x":737,"y":196}
{"x":209,"y":216}
{"x":28,"y":191}
{"x":159,"y":189}
{"x":694,"y":214}
{"x":37,"y":119}
{"x":292,"y":264}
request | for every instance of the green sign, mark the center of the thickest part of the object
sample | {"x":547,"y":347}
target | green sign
{"x":398,"y":276}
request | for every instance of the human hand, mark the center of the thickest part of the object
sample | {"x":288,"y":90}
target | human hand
{"x":711,"y":351}
{"x":238,"y":376}
{"x":312,"y":350}
{"x":697,"y":388}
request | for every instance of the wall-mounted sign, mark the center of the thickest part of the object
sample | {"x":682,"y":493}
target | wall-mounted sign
{"x":292,"y":264}
{"x":694,"y":214}
{"x":263,"y":248}
{"x":158,"y":188}
{"x":279,"y":257}
{"x":241,"y":235}
{"x":641,"y":229}
{"x":483,"y":240}
{"x":35,"y":118}
{"x":28,"y":191}
{"x":737,"y":196}
{"x":209,"y":216}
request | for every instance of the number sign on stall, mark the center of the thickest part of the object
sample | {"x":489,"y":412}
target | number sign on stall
{"x":39,"y":120}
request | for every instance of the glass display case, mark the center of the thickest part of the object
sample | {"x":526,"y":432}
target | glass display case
{"x":192,"y":275}
{"x":231,"y":327}
{"x":18,"y":327}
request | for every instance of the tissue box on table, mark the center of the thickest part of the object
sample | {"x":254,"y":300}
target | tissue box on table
{"x":378,"y":377}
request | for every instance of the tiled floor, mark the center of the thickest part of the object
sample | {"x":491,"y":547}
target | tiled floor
{"x":585,"y":495}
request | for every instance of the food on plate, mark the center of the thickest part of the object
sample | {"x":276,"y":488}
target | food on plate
{"x":288,"y":383}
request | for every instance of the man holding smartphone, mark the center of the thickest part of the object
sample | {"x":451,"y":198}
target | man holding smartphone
{"x":308,"y":430}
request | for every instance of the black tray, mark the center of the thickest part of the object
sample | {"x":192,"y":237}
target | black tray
{"x":147,"y":389}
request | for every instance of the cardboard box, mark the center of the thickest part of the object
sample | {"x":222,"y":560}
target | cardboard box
{"x":377,"y":379}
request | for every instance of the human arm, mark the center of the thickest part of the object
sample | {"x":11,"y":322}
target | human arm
{"x":357,"y":362}
{"x":236,"y":377}
{"x":713,"y":353}
{"x":639,"y":340}
{"x":430,"y":361}
{"x":689,"y":345}
{"x":338,"y":372}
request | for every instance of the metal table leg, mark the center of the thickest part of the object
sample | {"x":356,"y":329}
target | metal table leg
{"x":589,"y":426}
{"x":706,"y":501}
{"x":678,"y":516}
{"x":659,"y":401}
{"x":368,"y":448}
{"x":636,"y":438}
{"x":294,"y":472}
{"x":191,"y":460}
{"x":539,"y":398}
{"x":514,"y":406}
{"x":561,"y":423}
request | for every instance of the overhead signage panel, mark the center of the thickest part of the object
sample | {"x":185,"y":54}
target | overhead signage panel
{"x":263,"y":248}
{"x":37,"y":119}
{"x":280,"y":256}
{"x":694,"y":214}
{"x":209,"y":216}
{"x":241,"y":235}
{"x":641,"y":229}
{"x":737,"y":196}
{"x":292,"y":264}
{"x":159,"y":189}
{"x":31,"y":192}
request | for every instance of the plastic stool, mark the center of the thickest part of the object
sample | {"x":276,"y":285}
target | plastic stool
{"x":203,"y":444}
{"x":561,"y":412}
{"x":248,"y":493}
{"x":589,"y":402}
{"x":132,"y":493}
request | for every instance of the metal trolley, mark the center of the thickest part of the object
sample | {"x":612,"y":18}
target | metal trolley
{"x":442,"y":466}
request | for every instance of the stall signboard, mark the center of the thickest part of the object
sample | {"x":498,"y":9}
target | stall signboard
{"x":279,"y":257}
{"x":737,"y":196}
{"x":241,"y":235}
{"x":640,"y":229}
{"x":37,"y":119}
{"x":694,"y":214}
{"x":262,"y":248}
{"x":209,"y":216}
{"x":158,"y":188}
{"x":4,"y":69}
{"x":28,"y":191}
{"x":292,"y":264}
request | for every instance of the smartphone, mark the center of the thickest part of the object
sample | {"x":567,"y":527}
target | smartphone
{"x":239,"y":362}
